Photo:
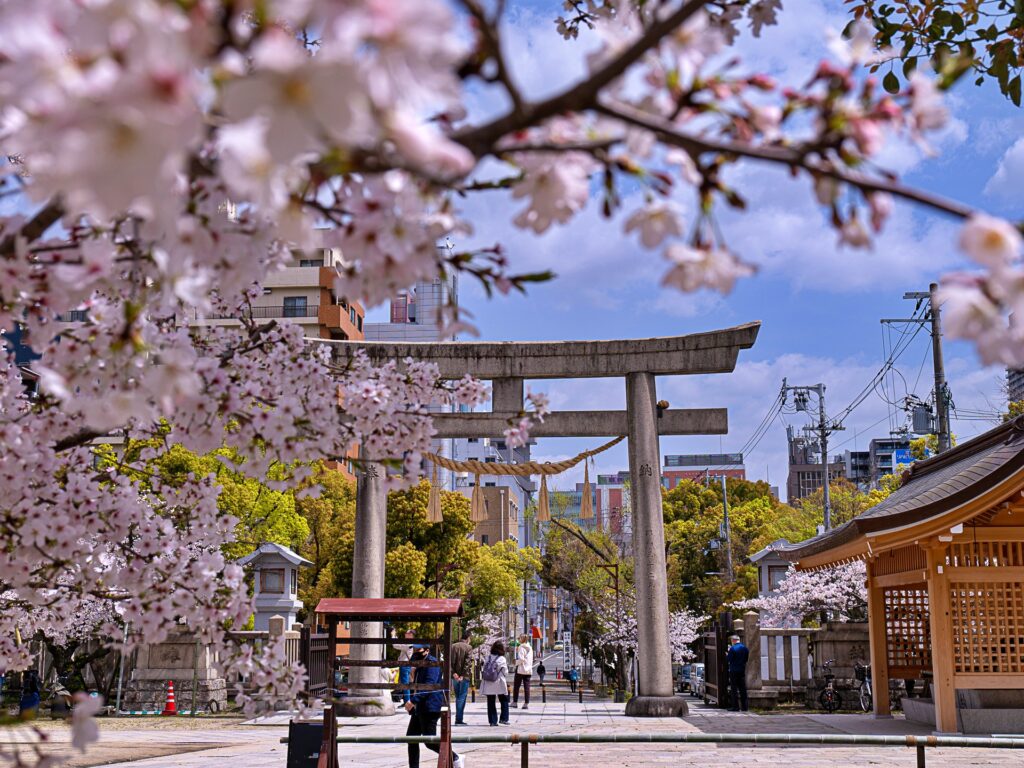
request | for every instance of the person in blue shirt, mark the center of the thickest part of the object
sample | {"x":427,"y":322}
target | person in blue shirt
{"x":736,"y":661}
{"x":424,"y":707}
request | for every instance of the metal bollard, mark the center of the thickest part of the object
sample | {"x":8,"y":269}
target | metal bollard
{"x":920,"y":756}
{"x":580,"y":689}
{"x":543,"y":694}
{"x":473,"y":692}
{"x":525,"y":761}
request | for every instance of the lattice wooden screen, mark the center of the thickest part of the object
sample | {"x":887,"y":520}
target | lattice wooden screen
{"x":986,"y":554}
{"x":908,"y":638}
{"x":988,"y":626}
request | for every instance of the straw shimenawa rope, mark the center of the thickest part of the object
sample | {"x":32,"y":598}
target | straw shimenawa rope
{"x":478,"y":512}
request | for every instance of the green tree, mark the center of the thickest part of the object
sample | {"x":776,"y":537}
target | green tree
{"x":696,"y":561}
{"x":495,"y":580}
{"x":263,"y":514}
{"x":927,"y":445}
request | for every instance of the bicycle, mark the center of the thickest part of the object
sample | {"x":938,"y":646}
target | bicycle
{"x":829,"y":697}
{"x":863,"y":673}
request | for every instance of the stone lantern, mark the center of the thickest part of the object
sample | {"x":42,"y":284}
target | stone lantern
{"x":275,"y":572}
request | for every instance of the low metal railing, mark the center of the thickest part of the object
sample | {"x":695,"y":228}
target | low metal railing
{"x":526,"y":740}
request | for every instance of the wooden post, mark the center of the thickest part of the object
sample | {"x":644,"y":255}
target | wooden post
{"x":332,"y":658}
{"x":879,"y":646}
{"x":943,"y":691}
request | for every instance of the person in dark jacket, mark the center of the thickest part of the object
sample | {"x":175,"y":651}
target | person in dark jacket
{"x":425,"y":706}
{"x":461,"y":675}
{"x":736,"y":661}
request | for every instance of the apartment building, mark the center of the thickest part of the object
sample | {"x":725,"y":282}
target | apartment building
{"x":701,"y":467}
{"x":303,"y":293}
{"x":503,"y":517}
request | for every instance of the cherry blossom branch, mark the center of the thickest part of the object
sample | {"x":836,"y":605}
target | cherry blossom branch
{"x":480,"y":139}
{"x":492,"y":44}
{"x":794,"y":158}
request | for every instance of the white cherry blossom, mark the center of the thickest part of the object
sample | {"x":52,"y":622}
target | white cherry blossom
{"x":990,"y":241}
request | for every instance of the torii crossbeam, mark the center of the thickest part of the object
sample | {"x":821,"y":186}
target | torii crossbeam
{"x":507,"y":364}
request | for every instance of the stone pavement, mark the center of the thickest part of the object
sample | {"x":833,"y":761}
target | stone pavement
{"x":258,"y":745}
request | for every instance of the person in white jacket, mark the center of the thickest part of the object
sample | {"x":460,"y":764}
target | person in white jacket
{"x":524,"y":671}
{"x":494,"y":684}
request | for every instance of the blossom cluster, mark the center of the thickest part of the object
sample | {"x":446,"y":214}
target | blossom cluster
{"x":839,"y":590}
{"x":986,"y":307}
{"x":621,"y":632}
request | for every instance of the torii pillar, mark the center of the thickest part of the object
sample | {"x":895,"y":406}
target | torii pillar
{"x":508,"y":364}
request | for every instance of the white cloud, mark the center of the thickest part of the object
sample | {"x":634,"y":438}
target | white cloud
{"x":1006,"y":182}
{"x":786,"y":233}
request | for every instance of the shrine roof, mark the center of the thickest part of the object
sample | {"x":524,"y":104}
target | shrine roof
{"x":349,"y":608}
{"x":930,"y":488}
{"x":270,"y":548}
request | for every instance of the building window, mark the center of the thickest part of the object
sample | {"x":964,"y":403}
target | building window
{"x":775,"y":576}
{"x":267,"y":291}
{"x":474,"y":440}
{"x":489,"y":485}
{"x":490,"y":460}
{"x":295,"y":581}
{"x":483,"y":538}
{"x":352,"y":315}
{"x":359,"y":322}
{"x":272,"y":580}
{"x":294,"y":306}
{"x":311,"y":262}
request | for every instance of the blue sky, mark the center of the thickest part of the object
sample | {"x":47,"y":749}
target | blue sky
{"x":820,"y":305}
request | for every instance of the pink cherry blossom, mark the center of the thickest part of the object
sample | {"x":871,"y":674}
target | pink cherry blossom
{"x":696,"y":268}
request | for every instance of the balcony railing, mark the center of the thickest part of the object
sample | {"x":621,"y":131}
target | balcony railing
{"x":261,"y":313}
{"x":257,"y":313}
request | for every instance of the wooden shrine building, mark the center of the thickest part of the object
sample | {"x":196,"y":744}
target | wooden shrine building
{"x":945,"y":581}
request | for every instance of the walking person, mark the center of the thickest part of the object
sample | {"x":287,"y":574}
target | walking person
{"x":494,"y":684}
{"x":28,"y":707}
{"x":541,"y":671}
{"x":736,"y":661}
{"x":573,"y":676}
{"x":424,"y":707}
{"x":405,"y":672}
{"x":524,"y":672}
{"x":461,"y":674}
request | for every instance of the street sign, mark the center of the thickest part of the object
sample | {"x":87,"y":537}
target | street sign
{"x":901,"y":456}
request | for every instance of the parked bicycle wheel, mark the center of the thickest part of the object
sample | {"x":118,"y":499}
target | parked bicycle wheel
{"x":865,"y":697}
{"x":829,"y":699}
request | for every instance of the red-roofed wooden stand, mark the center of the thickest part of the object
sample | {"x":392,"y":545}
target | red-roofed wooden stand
{"x":335,"y":610}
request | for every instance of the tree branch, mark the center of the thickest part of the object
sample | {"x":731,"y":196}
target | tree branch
{"x":668,"y":133}
{"x":489,"y":31}
{"x":480,"y":139}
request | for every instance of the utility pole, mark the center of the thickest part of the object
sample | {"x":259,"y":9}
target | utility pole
{"x":824,"y":429}
{"x":728,"y":536}
{"x":943,"y":435}
{"x":941,"y":400}
{"x":823,"y":437}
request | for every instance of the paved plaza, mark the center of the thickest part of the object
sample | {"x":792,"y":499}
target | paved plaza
{"x":186,"y":743}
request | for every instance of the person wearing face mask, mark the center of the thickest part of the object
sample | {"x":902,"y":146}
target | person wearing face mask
{"x":424,"y":707}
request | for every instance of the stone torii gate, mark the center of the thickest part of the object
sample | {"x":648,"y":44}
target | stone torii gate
{"x":507,"y":365}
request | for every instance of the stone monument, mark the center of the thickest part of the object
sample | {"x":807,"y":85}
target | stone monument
{"x":182,"y":659}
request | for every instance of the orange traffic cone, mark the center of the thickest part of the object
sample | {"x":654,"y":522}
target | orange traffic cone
{"x":170,"y":708}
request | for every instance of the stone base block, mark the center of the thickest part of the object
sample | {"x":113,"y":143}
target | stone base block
{"x":364,"y":706}
{"x":151,"y":695}
{"x":657,"y":706}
